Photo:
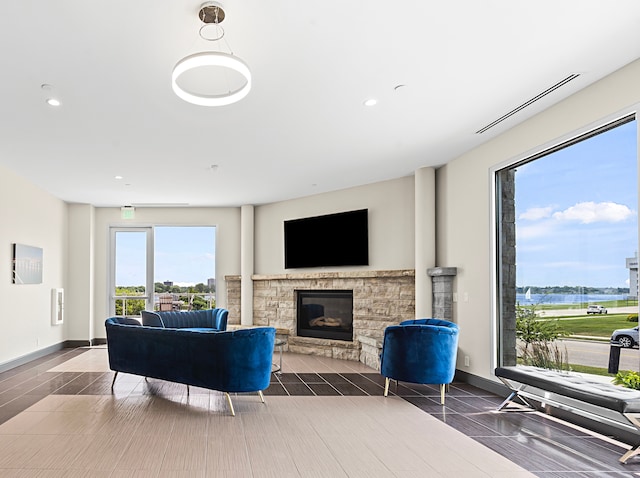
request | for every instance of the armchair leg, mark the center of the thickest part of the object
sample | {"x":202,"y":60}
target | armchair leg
{"x":114,"y":380}
{"x":233,"y":412}
{"x":442,"y":388}
{"x":261,"y":395}
{"x":386,"y":386}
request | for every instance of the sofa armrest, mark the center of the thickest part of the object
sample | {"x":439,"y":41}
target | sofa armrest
{"x":220,"y":317}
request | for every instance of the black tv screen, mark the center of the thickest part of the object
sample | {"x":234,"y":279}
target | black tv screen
{"x":340,"y":239}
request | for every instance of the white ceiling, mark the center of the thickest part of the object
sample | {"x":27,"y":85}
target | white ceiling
{"x":303,"y":128}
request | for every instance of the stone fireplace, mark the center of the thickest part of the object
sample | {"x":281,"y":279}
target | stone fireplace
{"x":380,"y":299}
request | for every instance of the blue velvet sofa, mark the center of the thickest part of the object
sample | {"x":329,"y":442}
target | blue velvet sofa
{"x":230,"y":362}
{"x":420,"y":351}
{"x":207,"y":319}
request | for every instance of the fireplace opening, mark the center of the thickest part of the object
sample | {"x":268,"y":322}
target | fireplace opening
{"x":325,"y":314}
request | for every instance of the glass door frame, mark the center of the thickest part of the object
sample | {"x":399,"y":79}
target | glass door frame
{"x":149,"y":284}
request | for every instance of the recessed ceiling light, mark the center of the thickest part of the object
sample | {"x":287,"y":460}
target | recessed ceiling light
{"x":371,"y":102}
{"x":53,"y":102}
{"x":117,"y":177}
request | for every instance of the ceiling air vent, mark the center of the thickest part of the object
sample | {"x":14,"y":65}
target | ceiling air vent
{"x":529,"y":102}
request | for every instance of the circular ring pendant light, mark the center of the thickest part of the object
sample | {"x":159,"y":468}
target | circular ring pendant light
{"x":211,"y":13}
{"x":217,"y":59}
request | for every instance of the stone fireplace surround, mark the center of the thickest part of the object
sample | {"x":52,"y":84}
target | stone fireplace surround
{"x":380,"y":299}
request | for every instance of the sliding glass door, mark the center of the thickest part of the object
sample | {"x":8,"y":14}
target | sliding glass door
{"x":131,"y":271}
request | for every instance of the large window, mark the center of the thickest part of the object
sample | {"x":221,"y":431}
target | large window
{"x":162,"y":268}
{"x":568,"y":239}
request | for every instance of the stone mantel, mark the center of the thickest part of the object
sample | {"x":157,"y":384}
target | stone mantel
{"x":380,"y":298}
{"x":329,"y":275}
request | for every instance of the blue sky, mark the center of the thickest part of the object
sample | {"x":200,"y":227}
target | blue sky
{"x":576,"y":213}
{"x":183,"y":255}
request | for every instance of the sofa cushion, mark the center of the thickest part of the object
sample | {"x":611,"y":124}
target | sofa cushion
{"x":151,"y":319}
{"x":203,"y":319}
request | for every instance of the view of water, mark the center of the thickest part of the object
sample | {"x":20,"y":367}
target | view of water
{"x":566,"y":298}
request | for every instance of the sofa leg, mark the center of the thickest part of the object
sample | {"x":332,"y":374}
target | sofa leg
{"x":233,"y":412}
{"x":442,"y":387}
{"x":187,"y":390}
{"x":261,"y":395}
{"x":386,"y":386}
{"x":114,"y":380}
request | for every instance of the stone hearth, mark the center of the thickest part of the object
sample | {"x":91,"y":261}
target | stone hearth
{"x":380,"y":299}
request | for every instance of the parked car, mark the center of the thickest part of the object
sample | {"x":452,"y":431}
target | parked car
{"x":596,"y":309}
{"x":627,"y":338}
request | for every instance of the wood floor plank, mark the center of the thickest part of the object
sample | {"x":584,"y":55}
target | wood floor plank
{"x":188,"y":453}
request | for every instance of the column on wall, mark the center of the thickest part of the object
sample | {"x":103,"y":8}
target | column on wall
{"x":442,"y":284}
{"x":507,"y":272}
{"x":246,"y":264}
{"x":425,"y":237}
{"x":79,"y":287}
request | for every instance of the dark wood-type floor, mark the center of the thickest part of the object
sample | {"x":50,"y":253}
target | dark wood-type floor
{"x":544,"y":446}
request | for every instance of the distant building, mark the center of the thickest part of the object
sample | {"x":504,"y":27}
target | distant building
{"x":211,"y":283}
{"x":632,"y":265}
{"x":168,"y":283}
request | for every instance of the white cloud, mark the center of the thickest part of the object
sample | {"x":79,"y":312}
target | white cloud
{"x":589,"y":212}
{"x":534,"y":231}
{"x":536,"y":213}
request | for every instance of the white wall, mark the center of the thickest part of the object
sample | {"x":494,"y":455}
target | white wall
{"x":226,"y":220}
{"x":464,"y":188}
{"x":29,"y":215}
{"x":391,"y":225}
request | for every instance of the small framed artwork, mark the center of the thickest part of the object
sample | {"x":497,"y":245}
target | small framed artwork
{"x":27,"y":264}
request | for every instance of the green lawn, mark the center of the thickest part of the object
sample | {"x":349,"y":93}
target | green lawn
{"x":607,"y":303}
{"x":591,"y":370}
{"x":595,"y":325}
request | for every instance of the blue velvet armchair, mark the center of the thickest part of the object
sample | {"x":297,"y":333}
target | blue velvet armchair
{"x":420,"y":351}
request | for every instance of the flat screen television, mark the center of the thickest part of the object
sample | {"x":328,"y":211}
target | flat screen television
{"x":340,"y":239}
